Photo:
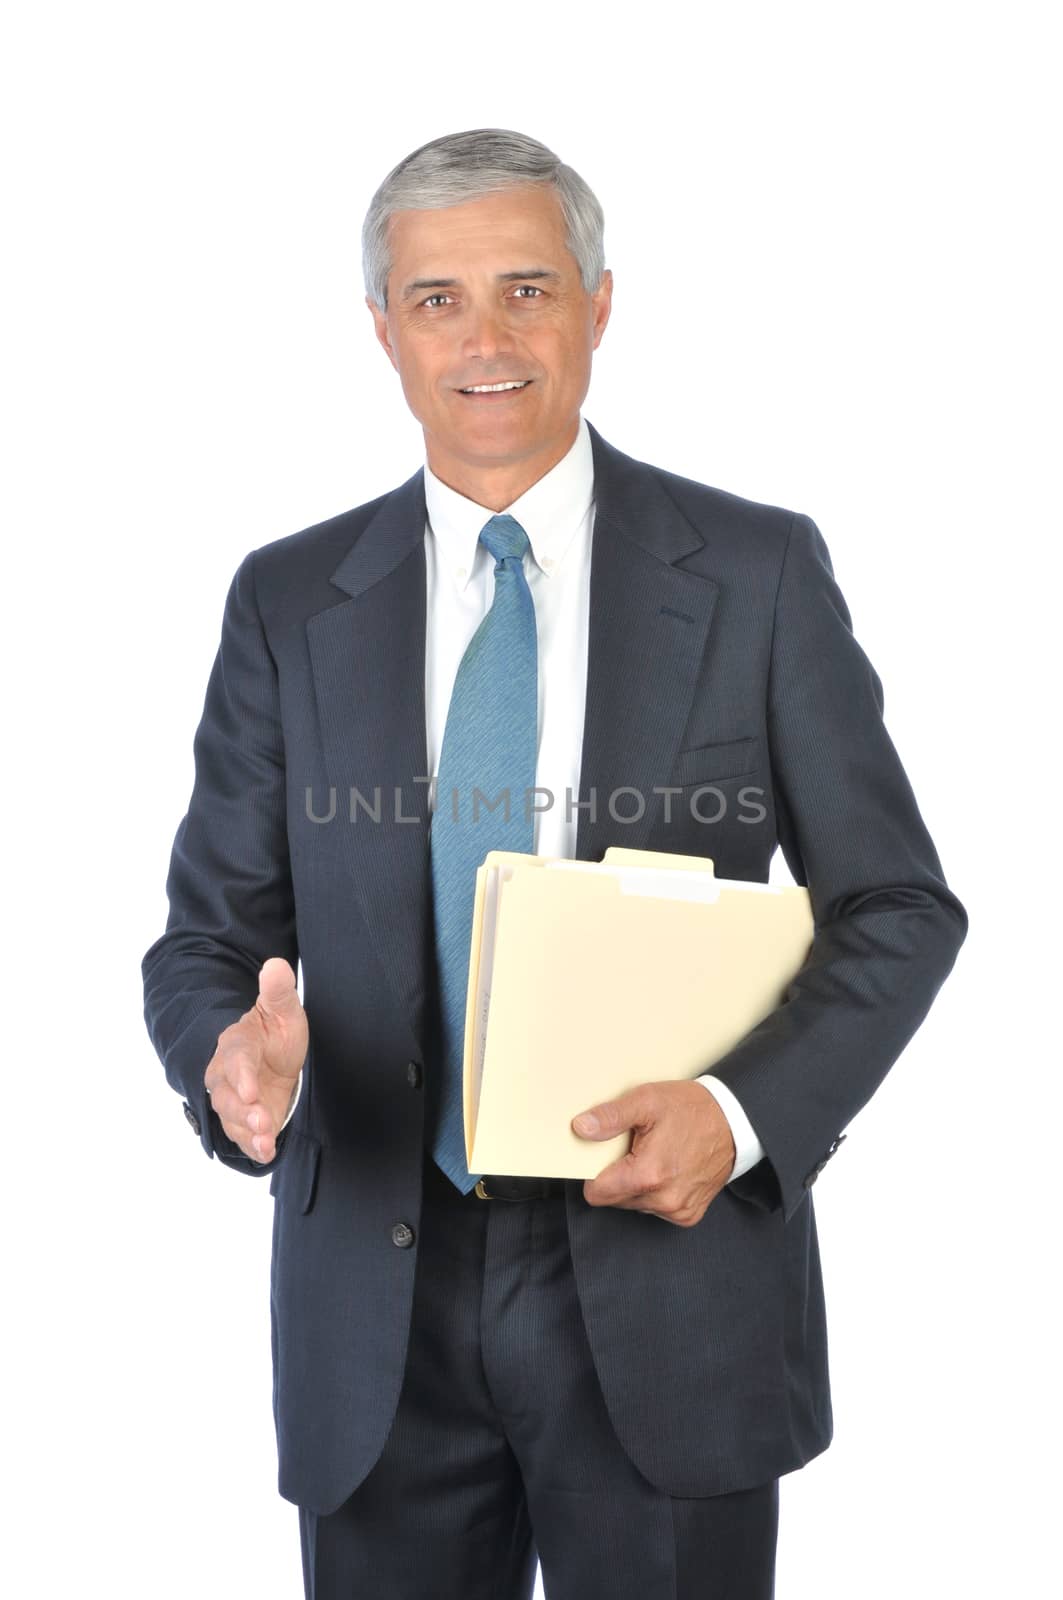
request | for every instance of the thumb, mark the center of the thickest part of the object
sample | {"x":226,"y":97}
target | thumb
{"x":608,"y":1118}
{"x":277,"y":995}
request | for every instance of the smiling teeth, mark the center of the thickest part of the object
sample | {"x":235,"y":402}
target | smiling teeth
{"x":493,"y":388}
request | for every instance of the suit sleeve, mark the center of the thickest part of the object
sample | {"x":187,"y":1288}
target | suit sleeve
{"x":887,"y":927}
{"x":229,"y":884}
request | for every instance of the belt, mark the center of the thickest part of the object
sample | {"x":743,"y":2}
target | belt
{"x":494,"y":1187}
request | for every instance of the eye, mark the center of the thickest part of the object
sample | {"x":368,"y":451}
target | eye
{"x":432,"y":297}
{"x":531,"y":286}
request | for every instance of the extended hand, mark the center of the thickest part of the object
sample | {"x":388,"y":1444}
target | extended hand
{"x":680,"y":1158}
{"x":253,"y":1073}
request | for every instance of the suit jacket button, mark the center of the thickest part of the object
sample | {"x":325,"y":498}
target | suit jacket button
{"x":413,"y":1074}
{"x":402,"y":1235}
{"x":191,"y":1116}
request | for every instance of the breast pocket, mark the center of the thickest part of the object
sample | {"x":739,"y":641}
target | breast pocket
{"x":714,"y":763}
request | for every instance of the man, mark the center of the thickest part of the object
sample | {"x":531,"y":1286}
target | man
{"x":473,"y":1370}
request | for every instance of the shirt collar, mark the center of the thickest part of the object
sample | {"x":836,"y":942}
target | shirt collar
{"x":549,"y":512}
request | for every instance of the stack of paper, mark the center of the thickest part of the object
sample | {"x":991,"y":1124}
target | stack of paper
{"x":587,"y":978}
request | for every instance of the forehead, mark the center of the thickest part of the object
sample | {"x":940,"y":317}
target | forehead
{"x":476,"y":232}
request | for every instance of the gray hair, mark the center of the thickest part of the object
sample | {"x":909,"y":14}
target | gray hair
{"x":467,"y":166}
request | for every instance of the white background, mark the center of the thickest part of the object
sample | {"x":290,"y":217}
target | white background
{"x":835,"y":290}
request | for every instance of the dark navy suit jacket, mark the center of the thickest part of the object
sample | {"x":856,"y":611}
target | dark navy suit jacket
{"x":720,"y":654}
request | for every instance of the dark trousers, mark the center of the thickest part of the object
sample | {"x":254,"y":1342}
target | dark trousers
{"x":502,"y":1451}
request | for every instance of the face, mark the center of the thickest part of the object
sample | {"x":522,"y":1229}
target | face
{"x":487,"y":292}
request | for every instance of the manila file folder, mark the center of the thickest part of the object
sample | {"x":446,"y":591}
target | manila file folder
{"x":587,"y":978}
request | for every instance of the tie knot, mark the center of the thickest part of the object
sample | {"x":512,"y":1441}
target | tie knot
{"x":504,"y":536}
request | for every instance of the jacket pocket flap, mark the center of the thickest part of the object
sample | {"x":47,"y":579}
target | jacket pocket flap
{"x":296,"y":1172}
{"x":707,"y":762}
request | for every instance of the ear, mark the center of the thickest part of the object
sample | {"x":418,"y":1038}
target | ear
{"x":602,"y":301}
{"x":380,"y":328}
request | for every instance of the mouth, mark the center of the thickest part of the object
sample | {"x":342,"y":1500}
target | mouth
{"x":495,"y":392}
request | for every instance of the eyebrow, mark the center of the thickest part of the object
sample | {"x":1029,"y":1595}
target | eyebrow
{"x":500,"y":277}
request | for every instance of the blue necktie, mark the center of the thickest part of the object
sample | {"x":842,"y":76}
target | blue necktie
{"x":488,"y":757}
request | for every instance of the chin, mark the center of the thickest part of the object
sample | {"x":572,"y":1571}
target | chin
{"x":506,"y":435}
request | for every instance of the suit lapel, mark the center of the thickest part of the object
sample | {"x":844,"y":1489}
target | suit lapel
{"x":367,"y":656}
{"x":648,"y":625}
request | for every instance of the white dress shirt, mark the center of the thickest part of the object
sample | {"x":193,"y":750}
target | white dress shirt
{"x":557,"y":514}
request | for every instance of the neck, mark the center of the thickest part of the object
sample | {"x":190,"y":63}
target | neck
{"x":496,"y":486}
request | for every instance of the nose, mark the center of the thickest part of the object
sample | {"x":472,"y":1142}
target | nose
{"x":485,"y":335}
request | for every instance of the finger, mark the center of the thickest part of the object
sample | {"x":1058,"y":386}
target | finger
{"x":620,"y":1183}
{"x":259,"y":1146}
{"x":638,"y":1202}
{"x":234,"y":1112}
{"x":643,"y":1206}
{"x":263,"y":1147}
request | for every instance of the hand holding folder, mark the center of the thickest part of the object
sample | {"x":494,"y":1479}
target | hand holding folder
{"x":588,"y":978}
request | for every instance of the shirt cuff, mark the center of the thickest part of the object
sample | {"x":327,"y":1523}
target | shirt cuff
{"x":295,"y":1101}
{"x":748,"y":1148}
